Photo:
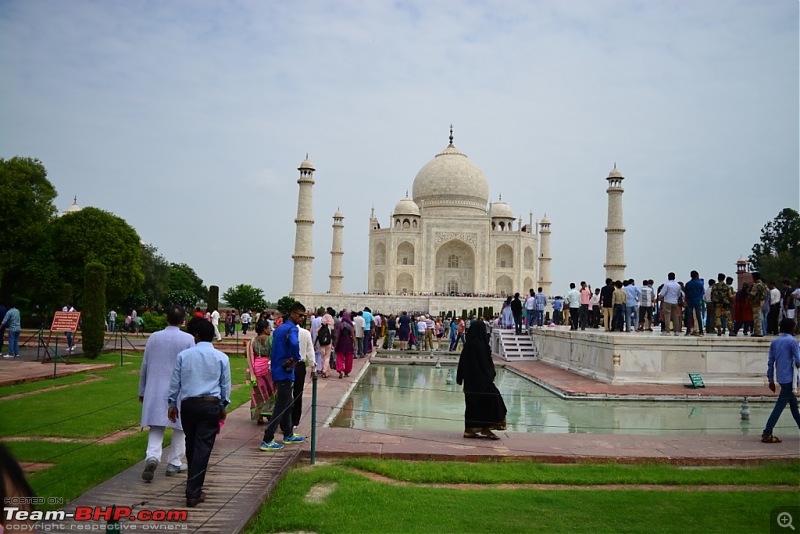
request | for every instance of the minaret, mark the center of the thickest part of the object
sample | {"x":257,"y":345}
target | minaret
{"x":337,"y":251}
{"x":545,"y":278}
{"x":303,"y":252}
{"x":615,"y":230}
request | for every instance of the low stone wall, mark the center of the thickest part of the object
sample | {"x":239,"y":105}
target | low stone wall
{"x":653,"y":359}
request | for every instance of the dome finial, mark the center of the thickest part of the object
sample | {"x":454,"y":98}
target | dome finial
{"x":500,"y":197}
{"x":406,"y":193}
{"x":451,"y":135}
{"x":75,"y":200}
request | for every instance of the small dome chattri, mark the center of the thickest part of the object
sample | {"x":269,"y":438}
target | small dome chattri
{"x":501,"y":209}
{"x":406,"y":207}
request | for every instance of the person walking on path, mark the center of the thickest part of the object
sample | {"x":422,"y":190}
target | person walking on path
{"x":11,"y":322}
{"x":201,"y":382}
{"x":215,"y":324}
{"x":308,"y":361}
{"x":485,"y":410}
{"x":285,"y":356}
{"x":344,"y":341}
{"x":784,"y":359}
{"x":262,"y":389}
{"x":160,"y":354}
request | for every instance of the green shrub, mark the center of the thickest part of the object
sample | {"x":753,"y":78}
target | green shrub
{"x":153,"y":322}
{"x":94,"y":309}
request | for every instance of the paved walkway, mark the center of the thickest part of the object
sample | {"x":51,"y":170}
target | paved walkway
{"x":241,"y":477}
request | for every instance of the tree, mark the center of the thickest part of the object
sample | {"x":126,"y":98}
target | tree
{"x":96,"y":235}
{"x":156,"y":272}
{"x":181,"y":297}
{"x":26,"y":207}
{"x":285,"y":304}
{"x":93,"y":325}
{"x":245,"y":297}
{"x":183,"y":278}
{"x":777,"y":255}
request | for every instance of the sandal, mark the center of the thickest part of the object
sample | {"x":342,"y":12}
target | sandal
{"x":769,"y":438}
{"x":490,"y":435}
{"x":341,"y":374}
{"x":471,"y":435}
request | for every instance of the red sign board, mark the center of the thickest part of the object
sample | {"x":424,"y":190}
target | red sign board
{"x":65,"y":321}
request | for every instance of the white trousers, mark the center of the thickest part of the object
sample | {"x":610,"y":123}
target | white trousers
{"x":176,"y":451}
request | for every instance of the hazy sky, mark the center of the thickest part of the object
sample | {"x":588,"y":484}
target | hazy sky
{"x":189,"y":120}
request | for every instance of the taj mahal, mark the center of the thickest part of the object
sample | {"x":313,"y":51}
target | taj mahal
{"x":446,"y":247}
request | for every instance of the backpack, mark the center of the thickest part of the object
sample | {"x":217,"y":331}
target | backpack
{"x":719,"y":294}
{"x":324,"y":336}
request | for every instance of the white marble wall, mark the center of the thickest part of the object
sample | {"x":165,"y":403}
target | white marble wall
{"x":642,"y":359}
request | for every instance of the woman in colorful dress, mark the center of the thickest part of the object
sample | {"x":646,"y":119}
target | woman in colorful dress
{"x":344,"y":343}
{"x":262,"y":392}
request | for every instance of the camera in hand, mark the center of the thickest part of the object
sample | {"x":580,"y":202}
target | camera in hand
{"x":288,"y":364}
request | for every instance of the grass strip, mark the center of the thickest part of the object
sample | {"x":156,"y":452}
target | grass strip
{"x":583,"y":474}
{"x":361,"y":505}
{"x":40,"y":385}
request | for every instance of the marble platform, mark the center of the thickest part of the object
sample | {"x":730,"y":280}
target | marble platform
{"x":650,"y":358}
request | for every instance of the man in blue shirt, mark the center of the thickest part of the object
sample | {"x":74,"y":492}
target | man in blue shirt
{"x":11,"y":321}
{"x":201,"y":379}
{"x":540,"y":305}
{"x":368,"y":319}
{"x":695,"y":291}
{"x":784,"y":356}
{"x":285,"y":355}
{"x":633,"y":297}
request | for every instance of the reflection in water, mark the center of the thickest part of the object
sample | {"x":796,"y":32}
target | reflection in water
{"x":418,"y":397}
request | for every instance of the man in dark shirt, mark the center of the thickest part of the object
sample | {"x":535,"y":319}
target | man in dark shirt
{"x":516,"y":311}
{"x":606,"y":296}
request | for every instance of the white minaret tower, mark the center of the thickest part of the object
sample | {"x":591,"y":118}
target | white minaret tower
{"x":615,"y":230}
{"x":303,"y":256}
{"x":337,"y":251}
{"x":545,"y":278}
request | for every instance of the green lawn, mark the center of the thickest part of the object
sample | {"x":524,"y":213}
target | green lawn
{"x":359,"y":504}
{"x":95,"y":405}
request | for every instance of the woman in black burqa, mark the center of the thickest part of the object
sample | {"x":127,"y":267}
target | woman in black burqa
{"x":485,"y":409}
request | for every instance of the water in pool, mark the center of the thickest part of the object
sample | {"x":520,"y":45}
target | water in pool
{"x":419,"y":397}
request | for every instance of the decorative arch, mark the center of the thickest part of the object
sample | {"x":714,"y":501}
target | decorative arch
{"x":528,"y":284}
{"x":504,"y":285}
{"x":379,"y":254}
{"x":397,"y":223}
{"x":454,"y":267}
{"x":505,"y":257}
{"x":452,"y":287}
{"x":405,"y":253}
{"x":379,"y":282}
{"x":405,"y":283}
{"x":528,"y":258}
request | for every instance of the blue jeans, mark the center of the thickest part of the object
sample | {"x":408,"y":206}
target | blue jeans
{"x":695,"y":309}
{"x":69,"y":338}
{"x":785,"y":396}
{"x":539,"y":317}
{"x":282,"y":412}
{"x":13,"y":342}
{"x":392,"y":333}
{"x":618,"y":322}
{"x":631,"y":317}
{"x":531,"y":317}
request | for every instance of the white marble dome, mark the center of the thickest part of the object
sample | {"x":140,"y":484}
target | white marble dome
{"x":501,"y":209}
{"x":451,"y":182}
{"x":406,"y":207}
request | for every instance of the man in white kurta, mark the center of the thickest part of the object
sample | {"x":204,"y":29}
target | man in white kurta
{"x":160,"y":355}
{"x":215,"y":322}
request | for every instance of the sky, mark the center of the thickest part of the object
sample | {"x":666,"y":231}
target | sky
{"x":188,"y":119}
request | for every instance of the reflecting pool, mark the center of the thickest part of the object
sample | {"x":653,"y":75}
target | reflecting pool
{"x":419,"y":397}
